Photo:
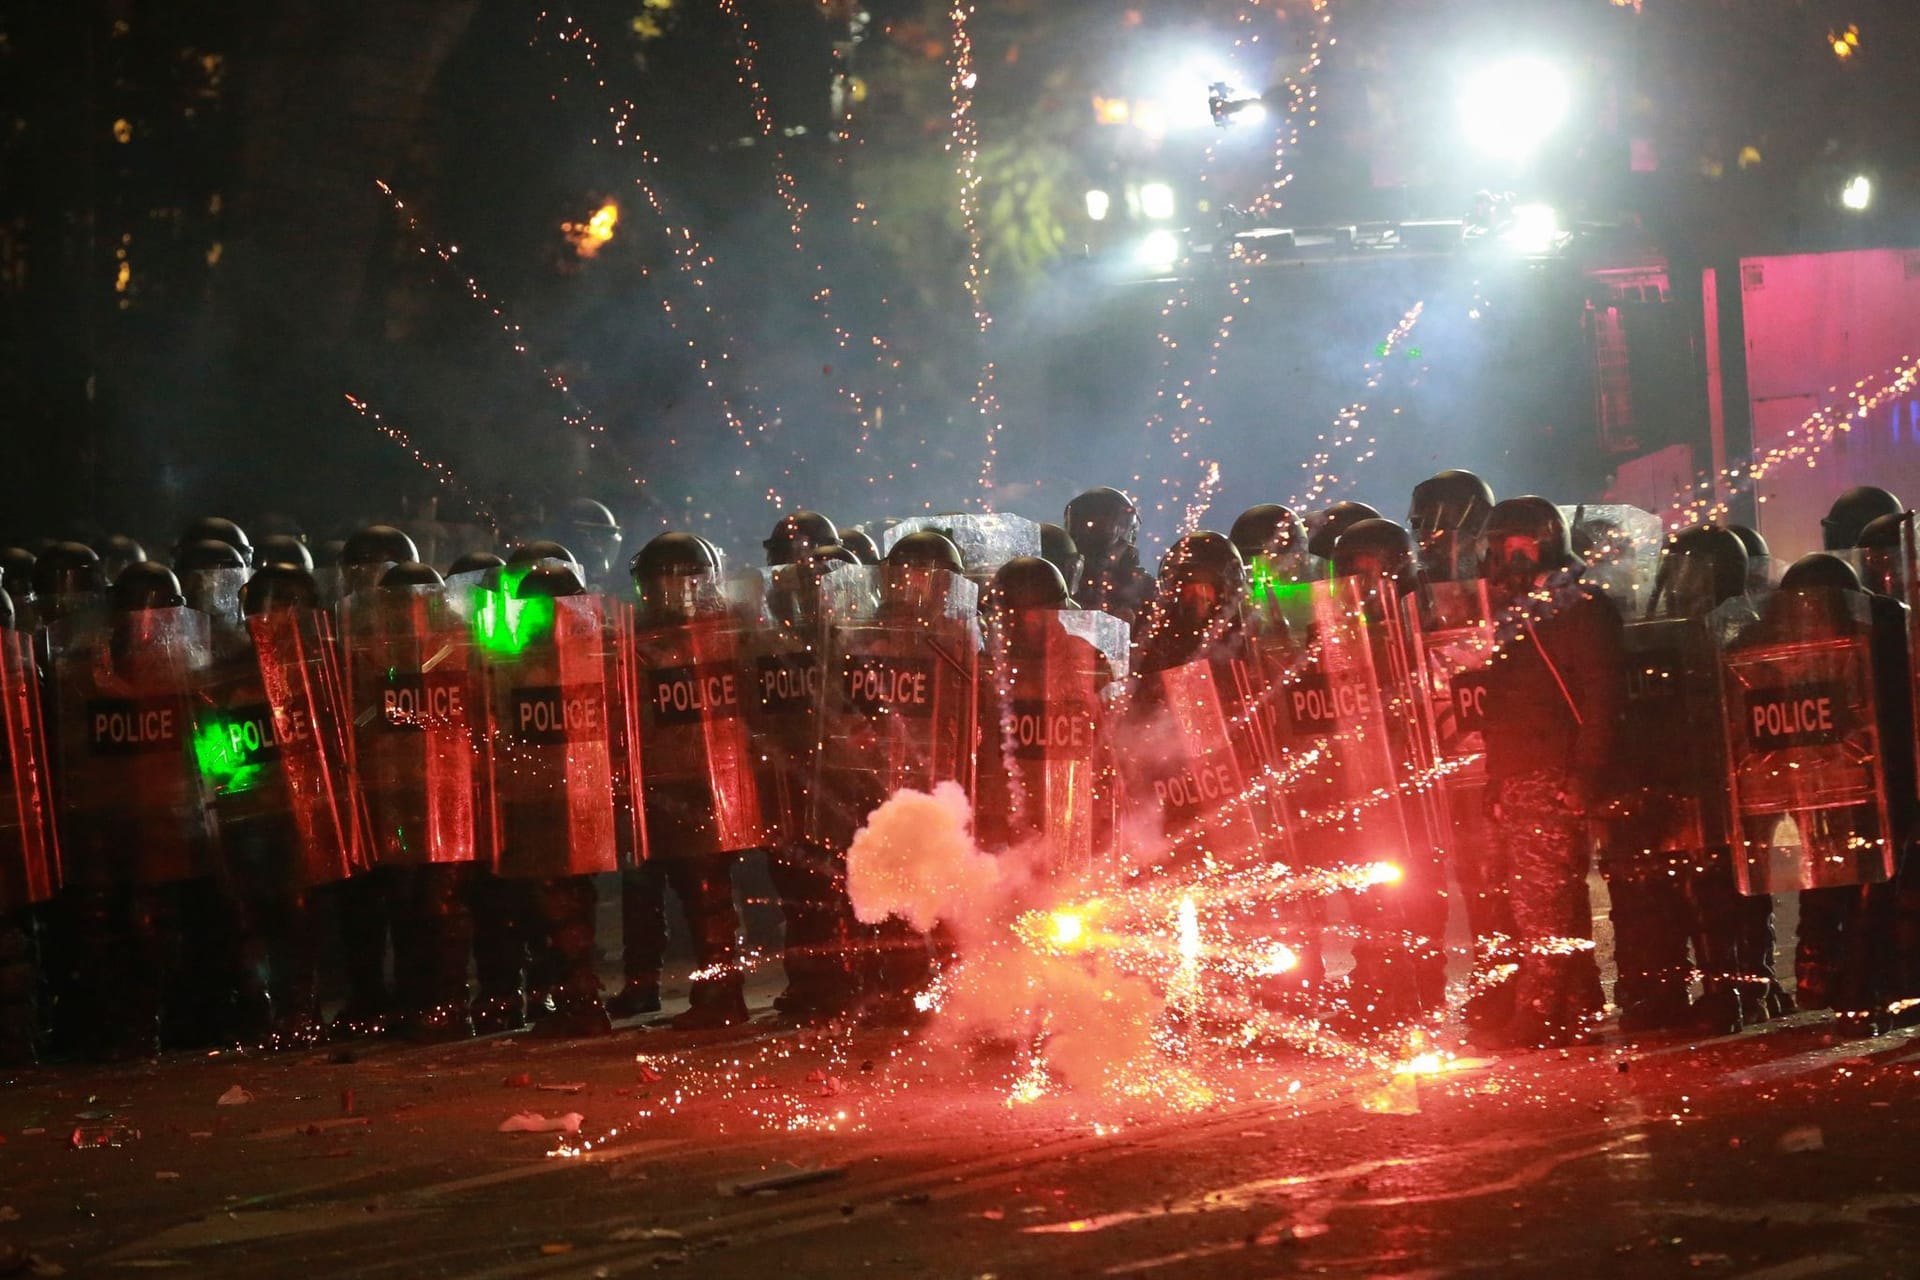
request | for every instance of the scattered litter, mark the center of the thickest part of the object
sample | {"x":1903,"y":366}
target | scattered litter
{"x":555,"y":1248}
{"x":671,"y":1259}
{"x":815,"y":1076}
{"x":1806,"y":1137}
{"x":534,"y":1122}
{"x":780,"y":1180}
{"x":626,"y":1235}
{"x":165,"y":1175}
{"x":579,"y":1086}
{"x":912,"y":1197}
{"x":1709,"y":1260}
{"x":649,"y":1076}
{"x":1290,"y":1232}
{"x":520,"y":1081}
{"x":234,"y":1097}
{"x":88,"y":1136}
{"x":33,"y":1132}
{"x":346,"y":1101}
{"x":200,"y":1133}
{"x":831,"y":1087}
{"x":93,"y":1115}
{"x":8,"y":1213}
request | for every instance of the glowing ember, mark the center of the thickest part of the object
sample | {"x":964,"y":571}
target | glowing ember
{"x":1383,"y":873}
{"x":1069,"y":929}
{"x":589,"y":237}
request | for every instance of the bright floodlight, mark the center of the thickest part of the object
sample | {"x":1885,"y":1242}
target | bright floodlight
{"x":1858,"y":193}
{"x":1512,"y":107}
{"x":1098,"y":202}
{"x":1535,"y":229}
{"x":1251,"y":111}
{"x":1156,"y":201}
{"x":1159,"y":249}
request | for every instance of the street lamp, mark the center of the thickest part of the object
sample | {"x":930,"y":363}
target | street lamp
{"x":1858,"y":193}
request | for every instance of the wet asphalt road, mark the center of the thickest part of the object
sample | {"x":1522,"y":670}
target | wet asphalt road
{"x":1783,"y":1152}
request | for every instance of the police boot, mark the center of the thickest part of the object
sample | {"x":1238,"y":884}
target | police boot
{"x":902,"y":968}
{"x":440,"y":914}
{"x":717,"y":995}
{"x":499,"y":953}
{"x":136,"y":933}
{"x":643,"y":941}
{"x":363,"y":909}
{"x":1649,"y":949}
{"x":292,"y":971}
{"x":18,"y":1007}
{"x":565,"y":907}
{"x":214,"y":995}
{"x":1757,"y":948}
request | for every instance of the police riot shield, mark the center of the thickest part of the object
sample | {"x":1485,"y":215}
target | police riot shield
{"x":416,"y":729}
{"x":986,"y":540}
{"x":1043,"y":772}
{"x":29,"y":848}
{"x":698,"y":768}
{"x":1338,"y":771}
{"x":1803,"y":746}
{"x":1673,"y":801}
{"x":898,"y":705}
{"x":550,"y":674}
{"x":306,"y":700}
{"x":216,"y":593}
{"x":1184,"y":767}
{"x":1450,"y":629}
{"x":785,"y":652}
{"x":1621,"y":547}
{"x":132,"y":808}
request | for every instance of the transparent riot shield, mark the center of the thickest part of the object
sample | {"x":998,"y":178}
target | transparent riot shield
{"x":1449,"y":626}
{"x":1673,"y":801}
{"x":416,"y":722}
{"x":786,"y":656}
{"x":698,"y":766}
{"x":898,"y":706}
{"x":29,"y":848}
{"x":1339,"y":775}
{"x":1184,"y":765}
{"x":132,"y":808}
{"x":306,"y":696}
{"x":1621,"y":547}
{"x":551,"y":676}
{"x":1803,"y":746}
{"x":1043,"y":772}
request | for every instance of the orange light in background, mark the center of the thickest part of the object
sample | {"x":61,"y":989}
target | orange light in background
{"x":1844,"y":42}
{"x":589,"y":237}
{"x":1383,"y":873}
{"x":1111,"y":110}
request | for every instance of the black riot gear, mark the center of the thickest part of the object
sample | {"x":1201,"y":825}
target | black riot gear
{"x":16,"y":573}
{"x":927,"y":550}
{"x":1377,"y":551}
{"x":1333,"y":522}
{"x":1269,"y":529}
{"x":219,"y":529}
{"x":543,"y":549}
{"x":412,"y":573}
{"x":284,"y":548}
{"x":1029,"y":582}
{"x":474,"y":562}
{"x":549,"y":581}
{"x":147,"y":586}
{"x":280,"y":586}
{"x":1879,"y":546}
{"x":1759,"y":557}
{"x":591,"y":527}
{"x":799,"y":535}
{"x":367,"y":553}
{"x":1851,"y":512}
{"x":861,"y":544}
{"x":1205,"y":557}
{"x":1525,"y":537}
{"x":1102,"y":519}
{"x":1058,"y":548}
{"x":117,"y":552}
{"x":6,"y":611}
{"x":206,"y":554}
{"x":1819,"y":571}
{"x":671,"y":573}
{"x":1447,"y":513}
{"x":1701,"y":568}
{"x":66,"y":569}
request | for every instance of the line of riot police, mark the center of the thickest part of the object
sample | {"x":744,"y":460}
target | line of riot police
{"x":223,"y":771}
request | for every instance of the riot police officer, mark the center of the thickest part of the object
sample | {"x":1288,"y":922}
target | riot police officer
{"x":1198,"y":607}
{"x":1555,"y":694}
{"x":1105,"y":525}
{"x":1058,"y":549}
{"x":1759,"y":558}
{"x":592,"y":528}
{"x":1851,"y":512}
{"x":798,"y":535}
{"x":1447,"y":513}
{"x":117,"y":552}
{"x":700,"y":802}
{"x":369,"y":552}
{"x":1325,"y":528}
{"x":284,"y":548}
{"x":218,"y":529}
{"x":28,"y":855}
{"x":860,"y":544}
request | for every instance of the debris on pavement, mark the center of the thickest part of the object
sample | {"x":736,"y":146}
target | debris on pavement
{"x":535,"y":1122}
{"x":628,"y":1235}
{"x":1806,"y":1137}
{"x":521,"y":1081}
{"x":112,"y":1134}
{"x":781,"y":1180}
{"x":234,"y":1097}
{"x":579,"y":1086}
